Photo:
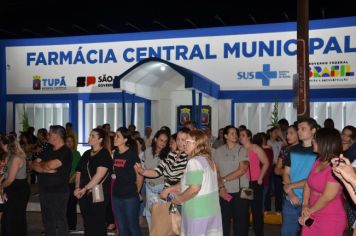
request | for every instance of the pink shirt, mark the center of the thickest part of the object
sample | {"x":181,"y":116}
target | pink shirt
{"x":331,"y":219}
{"x":255,"y":168}
{"x":317,"y":182}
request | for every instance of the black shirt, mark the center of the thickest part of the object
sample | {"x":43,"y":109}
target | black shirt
{"x":91,"y":163}
{"x":300,"y":149}
{"x":56,"y":182}
{"x":125,"y":184}
{"x":43,"y":146}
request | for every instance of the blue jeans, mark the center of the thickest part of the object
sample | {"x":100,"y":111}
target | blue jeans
{"x":143,"y":203}
{"x":152,"y":192}
{"x":290,"y":215}
{"x":264,"y":197}
{"x":126,"y":211}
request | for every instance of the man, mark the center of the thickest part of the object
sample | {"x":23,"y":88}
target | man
{"x":53,"y":167}
{"x":297,"y":166}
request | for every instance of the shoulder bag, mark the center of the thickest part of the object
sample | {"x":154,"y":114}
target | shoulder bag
{"x":246,"y":193}
{"x":97,"y":191}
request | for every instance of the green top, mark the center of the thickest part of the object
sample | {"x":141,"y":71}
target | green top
{"x":75,"y":160}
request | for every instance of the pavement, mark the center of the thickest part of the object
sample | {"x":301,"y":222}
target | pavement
{"x":34,"y":220}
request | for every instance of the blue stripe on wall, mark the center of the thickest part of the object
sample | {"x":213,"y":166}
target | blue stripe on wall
{"x":316,"y":95}
{"x":2,"y":89}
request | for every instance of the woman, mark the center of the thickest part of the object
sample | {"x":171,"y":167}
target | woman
{"x":27,"y":144}
{"x":15,"y":189}
{"x":256,"y":172}
{"x":199,"y":195}
{"x":343,"y":169}
{"x":276,"y":141}
{"x":322,"y":195}
{"x":72,"y":201}
{"x":94,"y":168}
{"x":153,"y":155}
{"x":127,"y":185}
{"x":172,"y":167}
{"x":348,"y":136}
{"x":41,"y":146}
{"x":173,"y":142}
{"x":141,"y":147}
{"x":292,"y":140}
{"x":219,"y":141}
{"x":261,"y":140}
{"x":232,"y":164}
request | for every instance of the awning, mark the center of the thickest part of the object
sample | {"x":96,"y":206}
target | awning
{"x":151,"y":77}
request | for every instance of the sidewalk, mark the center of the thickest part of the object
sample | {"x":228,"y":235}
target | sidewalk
{"x":34,"y":220}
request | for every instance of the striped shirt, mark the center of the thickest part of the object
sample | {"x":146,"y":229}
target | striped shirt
{"x":172,"y":168}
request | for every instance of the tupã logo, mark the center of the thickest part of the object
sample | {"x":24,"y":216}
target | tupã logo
{"x":36,"y":83}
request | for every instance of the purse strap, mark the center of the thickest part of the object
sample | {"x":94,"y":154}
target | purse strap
{"x":249,"y":170}
{"x":102,"y":181}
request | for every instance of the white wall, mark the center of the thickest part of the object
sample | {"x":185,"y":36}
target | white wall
{"x":81,"y":139}
{"x":164,"y":111}
{"x":224,"y":114}
{"x":9,"y":116}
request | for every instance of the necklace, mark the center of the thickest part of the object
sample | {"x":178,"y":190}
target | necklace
{"x":95,"y":152}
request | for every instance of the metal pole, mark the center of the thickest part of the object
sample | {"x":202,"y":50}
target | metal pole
{"x":123,"y":101}
{"x":303,"y":105}
{"x":200,"y":105}
{"x":133,"y":109}
{"x":193,"y":105}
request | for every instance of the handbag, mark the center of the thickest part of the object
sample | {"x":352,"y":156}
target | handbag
{"x":97,"y":191}
{"x":246,"y":193}
{"x":165,"y":219}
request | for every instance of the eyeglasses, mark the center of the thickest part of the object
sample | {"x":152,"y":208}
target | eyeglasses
{"x":190,"y":141}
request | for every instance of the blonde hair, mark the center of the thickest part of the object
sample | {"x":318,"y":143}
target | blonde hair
{"x":202,"y":144}
{"x":14,"y":148}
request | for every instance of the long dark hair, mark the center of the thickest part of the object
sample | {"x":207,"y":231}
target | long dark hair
{"x":329,"y":143}
{"x":259,"y":139}
{"x":105,"y":142}
{"x":126,"y":134}
{"x":164,"y":152}
{"x":353,"y":132}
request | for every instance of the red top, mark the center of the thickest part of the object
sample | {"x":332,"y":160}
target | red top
{"x":269,"y":154}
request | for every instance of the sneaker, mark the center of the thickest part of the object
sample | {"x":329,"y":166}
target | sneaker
{"x":111,"y":227}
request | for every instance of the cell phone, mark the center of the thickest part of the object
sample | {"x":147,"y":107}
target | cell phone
{"x":340,"y":161}
{"x":227,"y":197}
{"x":309,"y":222}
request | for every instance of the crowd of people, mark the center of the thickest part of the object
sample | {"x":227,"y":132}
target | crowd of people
{"x":308,"y":171}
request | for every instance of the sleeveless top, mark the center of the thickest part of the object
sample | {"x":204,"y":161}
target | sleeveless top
{"x":255,"y":170}
{"x":21,"y":174}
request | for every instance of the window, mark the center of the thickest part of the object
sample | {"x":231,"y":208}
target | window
{"x":257,"y":116}
{"x":41,"y":115}
{"x":101,"y":113}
